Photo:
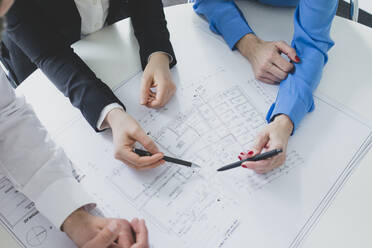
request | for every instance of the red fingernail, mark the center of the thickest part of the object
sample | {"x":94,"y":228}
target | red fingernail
{"x":242,"y":153}
{"x":240,"y":158}
{"x":244,"y":166}
{"x":297,"y":59}
{"x":250,"y":153}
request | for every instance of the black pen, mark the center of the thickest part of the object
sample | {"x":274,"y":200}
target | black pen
{"x":166,"y":158}
{"x":258,"y":157}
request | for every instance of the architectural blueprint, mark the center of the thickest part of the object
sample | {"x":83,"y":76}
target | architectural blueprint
{"x":216,"y":113}
{"x":209,"y":122}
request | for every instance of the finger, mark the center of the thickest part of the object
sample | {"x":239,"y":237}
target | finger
{"x":245,"y":155}
{"x":141,"y":233}
{"x":152,"y":94}
{"x":146,"y":142}
{"x":257,"y":165}
{"x":261,"y":140}
{"x":271,"y":76}
{"x":268,"y":78}
{"x":148,"y":167}
{"x":141,"y":168}
{"x":126,"y":239}
{"x":287,"y":50}
{"x":105,"y":237}
{"x":161,"y":95}
{"x":278,"y":72}
{"x":283,"y":64}
{"x":145,"y":88}
{"x":131,"y":158}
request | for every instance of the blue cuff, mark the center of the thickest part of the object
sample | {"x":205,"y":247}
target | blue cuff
{"x":233,"y":30}
{"x":292,"y":104}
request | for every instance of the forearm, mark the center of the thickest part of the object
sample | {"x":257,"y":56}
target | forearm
{"x":53,"y":55}
{"x":36,"y":165}
{"x":224,"y":18}
{"x":79,"y":83}
{"x":150,"y":29}
{"x":312,"y":42}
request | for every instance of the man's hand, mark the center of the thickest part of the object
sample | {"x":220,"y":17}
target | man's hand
{"x":273,"y":136}
{"x":265,"y":57}
{"x":126,"y":131}
{"x":157,"y":76}
{"x":88,"y":231}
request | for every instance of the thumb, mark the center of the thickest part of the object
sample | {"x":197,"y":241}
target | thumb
{"x":105,"y":237}
{"x":287,"y":50}
{"x":145,"y":88}
{"x":141,"y":233}
{"x":146,"y":141}
{"x":261,"y":142}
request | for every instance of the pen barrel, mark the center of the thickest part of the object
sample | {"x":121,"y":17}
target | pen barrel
{"x":166,"y":158}
{"x":177,"y":161}
{"x":141,"y":153}
{"x":265,"y":155}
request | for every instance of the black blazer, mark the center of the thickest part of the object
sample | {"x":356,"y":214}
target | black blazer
{"x":39,"y":34}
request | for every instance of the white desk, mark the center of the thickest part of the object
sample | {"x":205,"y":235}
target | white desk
{"x":111,"y":55}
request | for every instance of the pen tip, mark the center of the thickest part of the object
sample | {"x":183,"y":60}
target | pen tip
{"x":195,"y":166}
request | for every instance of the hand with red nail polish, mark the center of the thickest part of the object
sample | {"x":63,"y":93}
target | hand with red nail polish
{"x":265,"y":57}
{"x":273,"y":136}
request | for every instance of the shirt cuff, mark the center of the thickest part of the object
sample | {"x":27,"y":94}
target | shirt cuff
{"x":232,"y":28}
{"x":170,"y":56}
{"x":294,"y":108}
{"x":100,"y":125}
{"x":295,"y":102}
{"x":62,"y":198}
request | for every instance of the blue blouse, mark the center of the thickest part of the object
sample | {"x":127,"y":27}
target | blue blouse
{"x":311,"y":39}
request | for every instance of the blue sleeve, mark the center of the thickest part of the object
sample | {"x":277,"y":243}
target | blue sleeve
{"x":224,"y":18}
{"x":312,"y":25}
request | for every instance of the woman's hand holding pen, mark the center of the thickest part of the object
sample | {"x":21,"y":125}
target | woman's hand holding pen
{"x":157,"y":76}
{"x":265,"y":57}
{"x":126,"y":132}
{"x":273,"y":136}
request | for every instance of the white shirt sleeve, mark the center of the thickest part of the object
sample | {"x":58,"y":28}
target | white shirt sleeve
{"x":33,"y":162}
{"x":170,"y":56}
{"x":100,"y":123}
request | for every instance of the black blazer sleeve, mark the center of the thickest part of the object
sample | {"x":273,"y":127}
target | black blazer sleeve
{"x":37,"y":37}
{"x":150,"y":28}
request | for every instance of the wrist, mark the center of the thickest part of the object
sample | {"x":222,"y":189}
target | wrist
{"x":285,"y":123}
{"x":160,"y":57}
{"x":247,"y":45}
{"x":114,"y":116}
{"x":72,"y":219}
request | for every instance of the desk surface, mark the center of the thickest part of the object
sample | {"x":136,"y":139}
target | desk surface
{"x":111,"y":55}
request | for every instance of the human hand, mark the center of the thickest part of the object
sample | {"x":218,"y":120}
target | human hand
{"x":273,"y":136}
{"x":265,"y":57}
{"x":126,"y":132}
{"x":88,"y":231}
{"x":157,"y":75}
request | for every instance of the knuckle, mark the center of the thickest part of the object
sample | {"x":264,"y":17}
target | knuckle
{"x":117,"y":155}
{"x":272,"y":54}
{"x":106,"y":236}
{"x":288,"y":67}
{"x":266,"y":67}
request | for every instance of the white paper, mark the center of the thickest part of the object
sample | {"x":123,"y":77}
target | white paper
{"x":217,"y":111}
